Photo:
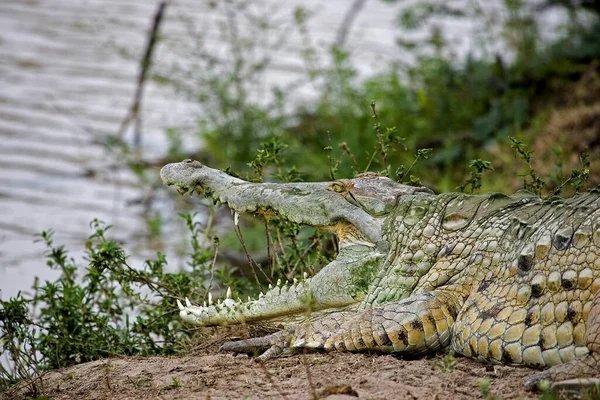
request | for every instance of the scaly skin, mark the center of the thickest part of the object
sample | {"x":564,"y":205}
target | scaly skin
{"x":503,"y":279}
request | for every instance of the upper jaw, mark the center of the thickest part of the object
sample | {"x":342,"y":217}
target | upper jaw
{"x":305,"y":203}
{"x":184,"y":175}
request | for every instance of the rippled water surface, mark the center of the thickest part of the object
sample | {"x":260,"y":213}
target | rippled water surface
{"x":65,"y":85}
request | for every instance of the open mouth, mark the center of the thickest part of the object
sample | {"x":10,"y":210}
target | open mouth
{"x":354,"y":209}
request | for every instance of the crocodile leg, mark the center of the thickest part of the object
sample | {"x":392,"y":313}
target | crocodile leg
{"x":418,"y":324}
{"x":582,"y":367}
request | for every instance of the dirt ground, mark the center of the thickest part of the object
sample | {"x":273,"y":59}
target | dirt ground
{"x":333,"y":376}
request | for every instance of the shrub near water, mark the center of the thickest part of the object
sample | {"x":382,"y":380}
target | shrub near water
{"x":109,"y":309}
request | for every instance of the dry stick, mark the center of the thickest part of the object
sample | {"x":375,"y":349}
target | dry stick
{"x":315,"y":241}
{"x":270,"y":258}
{"x":380,"y":139}
{"x":134,"y":109}
{"x":285,"y":257}
{"x":271,"y":381}
{"x":297,"y":250}
{"x":251,"y":261}
{"x":305,"y":362}
{"x":346,"y":24}
{"x":212,"y":268}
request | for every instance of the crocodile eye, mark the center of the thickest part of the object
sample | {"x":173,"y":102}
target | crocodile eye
{"x":337,"y":187}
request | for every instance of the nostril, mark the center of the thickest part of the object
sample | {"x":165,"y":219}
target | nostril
{"x":188,"y":161}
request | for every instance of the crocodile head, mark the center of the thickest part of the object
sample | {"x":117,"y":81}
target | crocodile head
{"x":354,"y":209}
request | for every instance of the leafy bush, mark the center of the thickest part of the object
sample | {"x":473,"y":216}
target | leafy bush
{"x":110,"y":309}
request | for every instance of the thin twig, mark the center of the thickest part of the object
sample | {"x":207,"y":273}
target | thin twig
{"x":270,"y":258}
{"x":134,"y":109}
{"x":212,"y":267}
{"x":329,"y":149}
{"x":380,"y":138}
{"x":297,"y":250}
{"x":251,"y":261}
{"x":270,"y":378}
{"x":306,"y":251}
{"x":311,"y":385}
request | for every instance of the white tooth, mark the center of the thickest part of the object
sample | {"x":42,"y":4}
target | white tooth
{"x":261,"y":295}
{"x":236,"y":218}
{"x":305,"y":276}
{"x":249,"y":299}
{"x":210,"y":299}
{"x":219,"y":302}
{"x":270,"y":286}
{"x":181,"y":307}
{"x":188,"y":302}
{"x":204,"y":304}
{"x":195,"y":310}
{"x":229,"y":303}
{"x":295,"y":281}
{"x":228,"y":293}
{"x":278,"y":282}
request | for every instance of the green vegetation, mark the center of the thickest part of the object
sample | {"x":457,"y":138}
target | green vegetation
{"x":462,"y":109}
{"x":451,"y":124}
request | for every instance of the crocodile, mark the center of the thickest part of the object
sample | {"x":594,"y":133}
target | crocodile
{"x":505,"y":279}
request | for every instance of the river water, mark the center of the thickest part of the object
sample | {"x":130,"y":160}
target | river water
{"x":68,"y":70}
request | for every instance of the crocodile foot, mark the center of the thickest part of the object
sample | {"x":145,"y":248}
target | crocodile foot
{"x":264,"y":348}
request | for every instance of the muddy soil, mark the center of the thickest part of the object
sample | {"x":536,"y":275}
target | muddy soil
{"x":323,"y":376}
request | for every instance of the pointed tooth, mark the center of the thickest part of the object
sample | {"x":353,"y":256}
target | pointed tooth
{"x":228,"y":293}
{"x":278,"y":282}
{"x":236,"y":218}
{"x":229,"y":303}
{"x":210,"y":301}
{"x":270,"y":286}
{"x":204,"y":304}
{"x":181,"y":307}
{"x":305,"y":276}
{"x":295,"y":281}
{"x":219,"y":302}
{"x":261,"y":295}
{"x":249,"y":299}
{"x":188,"y":302}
